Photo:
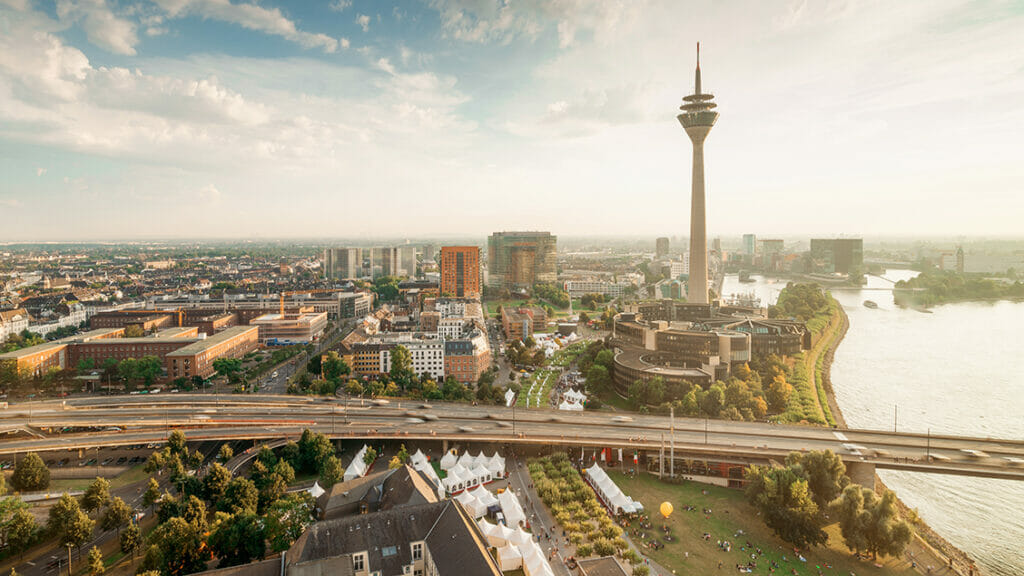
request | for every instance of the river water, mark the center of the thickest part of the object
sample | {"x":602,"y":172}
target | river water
{"x":951,"y":372}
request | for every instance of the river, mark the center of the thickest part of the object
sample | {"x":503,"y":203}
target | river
{"x":950,"y":372}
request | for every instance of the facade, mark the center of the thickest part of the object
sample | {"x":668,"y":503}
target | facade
{"x":520,"y":323}
{"x":343,"y":263}
{"x":290,"y":328}
{"x":460,"y":271}
{"x":12,"y":322}
{"x":837,"y":255}
{"x":355,"y":304}
{"x":518,"y":260}
{"x":467,"y":358}
{"x":196,"y":359}
{"x":577,"y":288}
{"x":38,"y":360}
{"x":251,"y":305}
{"x":407,"y":260}
{"x":373,"y":357}
{"x":661,"y":247}
{"x":697,"y":119}
{"x":749,"y":245}
{"x":768,"y":336}
{"x":772,"y":251}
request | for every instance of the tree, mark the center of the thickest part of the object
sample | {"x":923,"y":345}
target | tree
{"x":240,"y":496}
{"x":21,"y":531}
{"x":825,"y":474}
{"x":198,"y":381}
{"x":152,"y":494}
{"x":452,"y":389}
{"x":784,"y":501}
{"x":179,"y":547}
{"x":401,"y":366}
{"x":96,"y":566}
{"x":96,"y":495}
{"x":394,"y":463}
{"x":30,"y":474}
{"x":872,"y":524}
{"x":226,"y":453}
{"x":193,"y":511}
{"x":369,"y":456}
{"x":402,"y":454}
{"x":331,"y":473}
{"x":239,"y":539}
{"x":117,"y":515}
{"x":216,"y":481}
{"x":313,"y":450}
{"x":68,"y":523}
{"x":177,"y":444}
{"x":130,"y":540}
{"x":334,"y":368}
{"x":288,"y":518}
{"x":778,"y":394}
{"x":598,"y":379}
{"x":228,"y":367}
{"x":134,"y":331}
{"x":354,"y":388}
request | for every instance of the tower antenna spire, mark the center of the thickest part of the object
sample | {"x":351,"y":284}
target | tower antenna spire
{"x":697,"y":74}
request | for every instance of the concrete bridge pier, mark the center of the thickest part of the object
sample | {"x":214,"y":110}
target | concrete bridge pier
{"x":444,"y":446}
{"x":862,"y":473}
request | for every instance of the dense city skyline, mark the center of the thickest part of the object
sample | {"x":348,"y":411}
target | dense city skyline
{"x":208,"y":118}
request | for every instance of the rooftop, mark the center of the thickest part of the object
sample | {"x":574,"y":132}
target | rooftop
{"x":219,"y":338}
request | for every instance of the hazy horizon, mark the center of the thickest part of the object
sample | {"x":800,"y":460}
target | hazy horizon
{"x":185,"y":119}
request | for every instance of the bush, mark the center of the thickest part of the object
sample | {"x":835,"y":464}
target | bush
{"x":584,"y":550}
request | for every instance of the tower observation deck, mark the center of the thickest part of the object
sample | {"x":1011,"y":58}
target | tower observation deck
{"x":697,"y":119}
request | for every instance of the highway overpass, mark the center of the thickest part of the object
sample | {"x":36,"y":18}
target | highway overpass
{"x":126,"y":420}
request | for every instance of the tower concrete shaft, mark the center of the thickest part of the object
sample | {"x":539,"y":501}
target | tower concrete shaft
{"x":697,"y":119}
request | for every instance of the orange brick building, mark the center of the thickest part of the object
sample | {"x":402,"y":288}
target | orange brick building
{"x":460,"y":271}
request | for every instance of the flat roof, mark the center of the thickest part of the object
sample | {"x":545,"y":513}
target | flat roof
{"x":220,"y":337}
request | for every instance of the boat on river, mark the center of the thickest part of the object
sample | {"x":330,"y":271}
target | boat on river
{"x":870,"y":304}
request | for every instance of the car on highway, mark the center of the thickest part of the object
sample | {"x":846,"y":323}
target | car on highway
{"x":974,"y":453}
{"x":465,"y":429}
{"x":431,"y":417}
{"x":622,"y":419}
{"x":853,"y":449}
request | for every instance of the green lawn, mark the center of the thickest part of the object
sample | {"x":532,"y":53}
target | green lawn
{"x":130,"y":476}
{"x":545,"y":379}
{"x":734,"y":520}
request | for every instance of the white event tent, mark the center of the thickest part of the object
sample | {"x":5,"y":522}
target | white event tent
{"x":357,"y":468}
{"x":610,"y":493}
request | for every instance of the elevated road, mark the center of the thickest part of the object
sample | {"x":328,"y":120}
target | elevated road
{"x":126,"y":420}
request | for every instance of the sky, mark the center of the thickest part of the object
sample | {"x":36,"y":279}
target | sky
{"x":363,"y":118}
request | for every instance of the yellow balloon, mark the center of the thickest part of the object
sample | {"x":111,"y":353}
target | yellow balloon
{"x":666,"y":509}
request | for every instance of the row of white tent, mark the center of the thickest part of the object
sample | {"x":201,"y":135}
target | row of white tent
{"x":357,"y":468}
{"x":477,"y":502}
{"x":610,"y":493}
{"x":516,"y":549}
{"x":574,"y":396}
{"x":570,"y":406}
{"x":461,"y":478}
{"x":421,"y":464}
{"x":494,"y":464}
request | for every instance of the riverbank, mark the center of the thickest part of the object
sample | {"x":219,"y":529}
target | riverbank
{"x":944,"y":553}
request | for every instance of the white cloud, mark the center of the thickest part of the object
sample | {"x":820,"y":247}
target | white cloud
{"x":102,"y":27}
{"x":364,"y":22}
{"x":341,"y":5}
{"x":251,"y":16}
{"x":503,"y":21}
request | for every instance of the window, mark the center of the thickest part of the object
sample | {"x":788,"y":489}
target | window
{"x":358,"y":562}
{"x":417,"y":551}
{"x":388,"y":551}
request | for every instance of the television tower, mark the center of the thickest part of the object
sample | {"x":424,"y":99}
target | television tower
{"x":697,"y":119}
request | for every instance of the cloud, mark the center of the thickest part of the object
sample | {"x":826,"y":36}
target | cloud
{"x":501,"y":21}
{"x":364,"y":22}
{"x":340,"y":5}
{"x":102,"y":27}
{"x":250,"y":16}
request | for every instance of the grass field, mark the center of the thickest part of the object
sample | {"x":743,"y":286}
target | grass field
{"x":734,"y":520}
{"x":130,"y":476}
{"x":545,"y":380}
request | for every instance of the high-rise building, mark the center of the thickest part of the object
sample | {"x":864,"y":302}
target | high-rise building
{"x":388,"y":262}
{"x":460,"y":271}
{"x":661,"y":247}
{"x":771,"y":254}
{"x":749,"y":244}
{"x":342,"y":263}
{"x":838,"y":255}
{"x":518,"y":260}
{"x":407,"y":260}
{"x":697,"y":119}
{"x":429,"y":250}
